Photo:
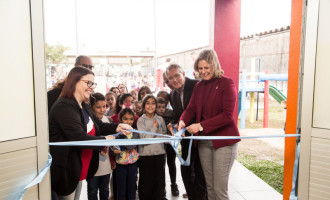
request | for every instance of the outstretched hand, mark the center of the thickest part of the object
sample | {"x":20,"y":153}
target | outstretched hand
{"x":123,"y":128}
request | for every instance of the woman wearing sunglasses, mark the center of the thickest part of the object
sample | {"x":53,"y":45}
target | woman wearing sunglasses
{"x":71,"y":119}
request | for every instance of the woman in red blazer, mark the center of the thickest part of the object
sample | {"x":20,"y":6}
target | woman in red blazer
{"x":212,"y":104}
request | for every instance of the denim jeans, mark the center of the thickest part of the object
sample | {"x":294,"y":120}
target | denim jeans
{"x":98,"y":183}
{"x":126,"y":181}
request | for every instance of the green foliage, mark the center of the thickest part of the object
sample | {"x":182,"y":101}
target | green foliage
{"x":268,"y":171}
{"x":55,"y":53}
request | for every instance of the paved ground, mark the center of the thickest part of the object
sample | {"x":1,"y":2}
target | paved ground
{"x":277,"y":143}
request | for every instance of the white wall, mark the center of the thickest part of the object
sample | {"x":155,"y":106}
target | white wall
{"x":17,"y":117}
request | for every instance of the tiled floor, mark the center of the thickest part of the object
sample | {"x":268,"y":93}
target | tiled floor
{"x":243,"y":185}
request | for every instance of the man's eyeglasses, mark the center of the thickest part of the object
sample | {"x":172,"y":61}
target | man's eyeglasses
{"x":88,"y":66}
{"x":176,"y":76}
{"x":90,"y":84}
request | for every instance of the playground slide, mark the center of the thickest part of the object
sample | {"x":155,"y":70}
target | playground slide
{"x":276,"y":94}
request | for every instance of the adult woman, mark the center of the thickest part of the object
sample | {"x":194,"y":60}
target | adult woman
{"x":71,"y":119}
{"x":212,"y":104}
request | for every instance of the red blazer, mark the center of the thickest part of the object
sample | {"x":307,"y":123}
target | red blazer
{"x":212,"y":103}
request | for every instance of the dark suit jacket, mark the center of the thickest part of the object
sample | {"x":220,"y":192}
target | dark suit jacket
{"x":178,"y":110}
{"x":175,"y":99}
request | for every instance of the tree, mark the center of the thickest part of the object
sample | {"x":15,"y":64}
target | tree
{"x":55,"y":53}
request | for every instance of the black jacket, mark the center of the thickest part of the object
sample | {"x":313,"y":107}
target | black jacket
{"x":52,"y":96}
{"x":67,"y":123}
{"x":175,"y":99}
{"x":178,"y":110}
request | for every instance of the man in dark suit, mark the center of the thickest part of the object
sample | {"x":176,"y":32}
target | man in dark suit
{"x":192,"y":176}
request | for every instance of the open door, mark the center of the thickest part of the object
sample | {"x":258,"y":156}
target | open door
{"x":23,"y":107}
{"x":314,"y":167}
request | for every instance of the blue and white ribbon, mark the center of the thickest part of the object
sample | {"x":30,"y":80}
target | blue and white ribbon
{"x":173,"y":140}
{"x":37,"y":179}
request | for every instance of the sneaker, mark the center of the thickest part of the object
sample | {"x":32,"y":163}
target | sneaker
{"x":174,"y":188}
{"x":185,"y":195}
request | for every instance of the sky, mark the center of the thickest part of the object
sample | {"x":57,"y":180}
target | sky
{"x":169,"y":26}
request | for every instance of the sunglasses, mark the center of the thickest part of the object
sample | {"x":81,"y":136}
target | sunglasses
{"x":90,"y":67}
{"x":90,"y":84}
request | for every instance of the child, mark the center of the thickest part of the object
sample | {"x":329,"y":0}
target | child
{"x":110,"y":99}
{"x":124,"y":100}
{"x":100,"y":181}
{"x":122,"y":88}
{"x":161,"y":106}
{"x":167,"y":115}
{"x":126,"y":170}
{"x":138,"y":108}
{"x":166,"y":96}
{"x":115,"y":90}
{"x":152,"y":156}
{"x":134,"y":94}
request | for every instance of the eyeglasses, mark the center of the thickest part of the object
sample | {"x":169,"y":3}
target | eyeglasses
{"x":176,"y":76}
{"x":90,"y":84}
{"x":88,"y":66}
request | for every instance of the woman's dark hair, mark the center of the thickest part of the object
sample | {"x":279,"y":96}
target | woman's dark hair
{"x":127,"y":111}
{"x":145,"y":99}
{"x":143,"y":88}
{"x":120,"y":100}
{"x":72,"y":79}
{"x":95,"y":98}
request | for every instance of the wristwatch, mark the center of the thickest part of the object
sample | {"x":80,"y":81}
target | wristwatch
{"x":200,"y":127}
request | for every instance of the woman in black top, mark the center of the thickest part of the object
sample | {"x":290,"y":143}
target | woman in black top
{"x":71,"y":119}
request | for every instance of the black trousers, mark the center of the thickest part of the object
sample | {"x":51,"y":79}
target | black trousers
{"x":170,"y":154}
{"x":193,"y":176}
{"x":152,"y":177}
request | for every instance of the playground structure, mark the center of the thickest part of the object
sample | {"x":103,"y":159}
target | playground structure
{"x":245,"y":88}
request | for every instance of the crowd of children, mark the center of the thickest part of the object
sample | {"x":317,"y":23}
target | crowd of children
{"x":120,"y":165}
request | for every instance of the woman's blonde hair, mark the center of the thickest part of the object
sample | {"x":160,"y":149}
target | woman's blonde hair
{"x":210,"y":56}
